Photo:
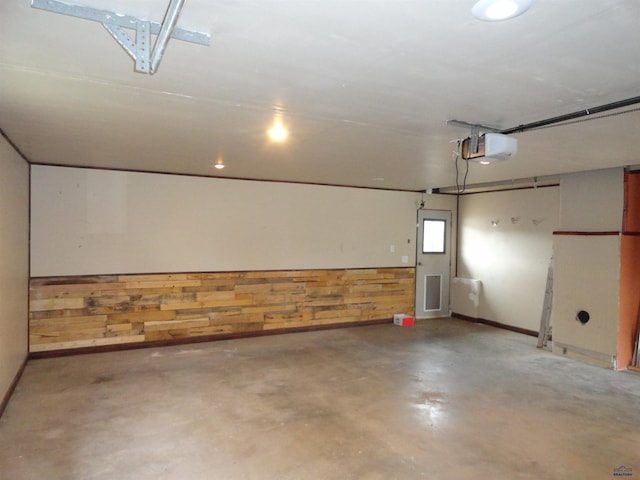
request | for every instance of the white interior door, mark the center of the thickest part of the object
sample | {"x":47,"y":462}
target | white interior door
{"x":433,"y":258}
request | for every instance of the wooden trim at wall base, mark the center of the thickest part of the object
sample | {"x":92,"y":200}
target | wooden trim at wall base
{"x":503,"y":326}
{"x":201,"y":339}
{"x":587,"y":234}
{"x":12,"y":387}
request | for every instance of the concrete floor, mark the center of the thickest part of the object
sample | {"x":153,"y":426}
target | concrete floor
{"x":444,"y":399}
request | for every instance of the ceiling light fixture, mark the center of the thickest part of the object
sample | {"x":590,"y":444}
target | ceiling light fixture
{"x":219,"y":164}
{"x":498,"y":10}
{"x":278,"y":133}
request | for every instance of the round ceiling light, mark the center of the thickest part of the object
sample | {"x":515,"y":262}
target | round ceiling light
{"x":497,"y":10}
{"x":219,"y":163}
{"x":278,"y":132}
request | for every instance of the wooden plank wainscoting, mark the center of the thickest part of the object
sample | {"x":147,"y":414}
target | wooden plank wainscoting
{"x":127,"y":311}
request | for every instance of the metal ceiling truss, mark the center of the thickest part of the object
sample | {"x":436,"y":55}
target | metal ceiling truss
{"x":146,"y":58}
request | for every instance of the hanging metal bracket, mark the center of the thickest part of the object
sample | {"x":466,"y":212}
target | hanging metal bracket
{"x":146,"y":59}
{"x":475,"y":132}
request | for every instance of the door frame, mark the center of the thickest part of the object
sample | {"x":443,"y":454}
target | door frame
{"x":433,"y":264}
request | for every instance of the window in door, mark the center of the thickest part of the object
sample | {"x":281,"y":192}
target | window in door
{"x":433,"y":232}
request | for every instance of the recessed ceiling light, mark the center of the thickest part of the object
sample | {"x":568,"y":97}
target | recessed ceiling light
{"x":219,"y":163}
{"x":278,"y":133}
{"x":497,"y":10}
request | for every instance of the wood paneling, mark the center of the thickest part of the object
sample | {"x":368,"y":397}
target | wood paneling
{"x":90,"y":311}
{"x":629,"y":298}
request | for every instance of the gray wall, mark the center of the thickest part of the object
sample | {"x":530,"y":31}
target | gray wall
{"x":14,"y":263}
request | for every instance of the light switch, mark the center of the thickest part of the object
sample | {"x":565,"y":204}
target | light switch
{"x":392,"y":248}
{"x":405,"y":259}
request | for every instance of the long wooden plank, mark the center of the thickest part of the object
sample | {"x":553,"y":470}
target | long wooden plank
{"x":163,"y":283}
{"x":55,"y":304}
{"x":85,"y":343}
{"x":135,"y":317}
{"x":154,"y":277}
{"x":176,"y":324}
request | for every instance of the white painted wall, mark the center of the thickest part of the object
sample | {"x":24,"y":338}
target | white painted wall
{"x":14,"y":268}
{"x":510,"y":259}
{"x":87,"y":221}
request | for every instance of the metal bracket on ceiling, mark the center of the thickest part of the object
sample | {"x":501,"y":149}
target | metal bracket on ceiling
{"x":475,"y":132}
{"x":146,"y":59}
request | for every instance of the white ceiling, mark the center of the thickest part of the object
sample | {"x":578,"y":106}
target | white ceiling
{"x":365,"y":88}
